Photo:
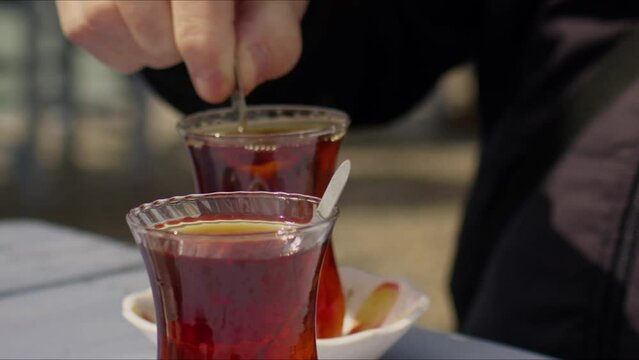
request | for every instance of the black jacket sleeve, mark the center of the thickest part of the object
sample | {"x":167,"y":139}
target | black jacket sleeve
{"x":372,"y":59}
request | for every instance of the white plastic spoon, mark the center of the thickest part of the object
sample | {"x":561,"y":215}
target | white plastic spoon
{"x":333,"y":192}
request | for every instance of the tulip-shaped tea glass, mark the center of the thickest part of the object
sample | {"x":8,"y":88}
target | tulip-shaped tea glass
{"x":233,"y":275}
{"x":280,"y":148}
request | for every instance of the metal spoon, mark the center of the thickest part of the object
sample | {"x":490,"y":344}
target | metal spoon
{"x":238,"y":102}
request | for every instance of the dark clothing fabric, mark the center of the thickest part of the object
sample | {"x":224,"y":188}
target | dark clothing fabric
{"x":546,"y":252}
{"x":362,"y":57}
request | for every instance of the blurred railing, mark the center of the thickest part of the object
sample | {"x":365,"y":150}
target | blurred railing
{"x":43,"y":72}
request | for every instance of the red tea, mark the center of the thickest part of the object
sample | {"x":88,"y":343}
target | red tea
{"x":221,"y":306}
{"x":303,"y":165}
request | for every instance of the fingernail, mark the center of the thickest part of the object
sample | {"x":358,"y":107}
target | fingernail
{"x":210,"y":86}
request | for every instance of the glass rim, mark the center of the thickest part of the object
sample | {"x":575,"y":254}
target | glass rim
{"x":341,"y":123}
{"x":140,"y":228}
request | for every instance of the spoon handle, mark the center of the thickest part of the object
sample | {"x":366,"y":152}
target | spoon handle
{"x":333,"y":191}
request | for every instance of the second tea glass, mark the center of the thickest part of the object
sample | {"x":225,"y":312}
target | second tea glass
{"x":281,"y":148}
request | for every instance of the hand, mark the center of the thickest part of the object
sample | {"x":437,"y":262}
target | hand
{"x":261,"y":38}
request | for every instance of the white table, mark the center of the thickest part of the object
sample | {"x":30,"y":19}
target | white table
{"x":60,"y":294}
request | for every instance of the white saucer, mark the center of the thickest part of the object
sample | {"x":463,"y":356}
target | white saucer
{"x":138,"y":309}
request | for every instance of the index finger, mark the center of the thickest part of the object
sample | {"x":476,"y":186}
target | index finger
{"x":205,"y":37}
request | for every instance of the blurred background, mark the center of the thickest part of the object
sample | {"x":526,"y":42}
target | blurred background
{"x":80,"y":145}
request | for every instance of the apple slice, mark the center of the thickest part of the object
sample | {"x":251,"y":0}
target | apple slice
{"x":376,"y":307}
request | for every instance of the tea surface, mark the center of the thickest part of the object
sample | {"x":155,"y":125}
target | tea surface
{"x":227,"y":227}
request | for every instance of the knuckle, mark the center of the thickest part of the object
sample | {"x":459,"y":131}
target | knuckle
{"x":118,"y":64}
{"x":145,"y":26}
{"x":79,"y":34}
{"x":187,"y":40}
{"x":163,"y":62}
{"x":131,"y":69}
{"x":190,"y":48}
{"x":160,"y":49}
{"x":101,"y":15}
{"x":195,"y":47}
